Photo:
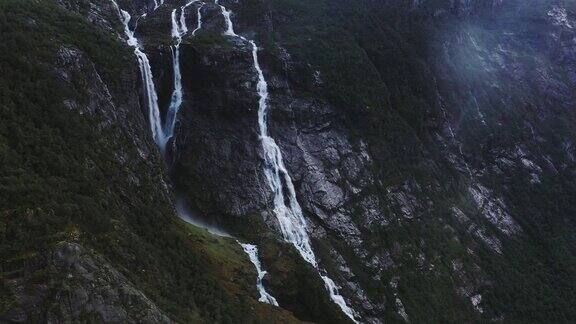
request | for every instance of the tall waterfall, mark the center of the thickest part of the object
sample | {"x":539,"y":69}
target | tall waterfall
{"x":147,"y":80}
{"x":179,"y":29}
{"x":162,"y":135}
{"x":290,"y":217}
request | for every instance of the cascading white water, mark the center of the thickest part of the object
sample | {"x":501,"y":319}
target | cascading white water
{"x":179,"y":29}
{"x":176,"y":99}
{"x":337,"y":298}
{"x":291,"y":220}
{"x":229,"y":26}
{"x":290,"y":217}
{"x":161,"y":137}
{"x":252,"y":252}
{"x":199,"y":15}
{"x":160,"y":134}
{"x":158,"y":3}
{"x":147,"y":80}
{"x":183,"y":26}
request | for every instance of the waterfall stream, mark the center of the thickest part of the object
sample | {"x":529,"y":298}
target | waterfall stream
{"x":147,"y":79}
{"x":290,"y":217}
{"x":162,"y":135}
{"x":179,"y":30}
{"x":199,"y":22}
{"x":252,"y":252}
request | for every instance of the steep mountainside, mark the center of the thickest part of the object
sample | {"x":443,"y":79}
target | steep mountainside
{"x":390,"y":161}
{"x":88,"y":227}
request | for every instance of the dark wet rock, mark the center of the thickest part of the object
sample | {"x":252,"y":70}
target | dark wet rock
{"x":101,"y":13}
{"x":83,"y":286}
{"x":473,"y":114}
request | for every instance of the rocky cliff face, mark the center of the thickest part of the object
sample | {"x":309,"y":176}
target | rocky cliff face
{"x":89,"y":230}
{"x":84,"y":286}
{"x":430,"y":144}
{"x":432,"y":161}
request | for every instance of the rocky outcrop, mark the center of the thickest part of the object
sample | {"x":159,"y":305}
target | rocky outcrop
{"x":219,"y":156}
{"x":83,"y":285}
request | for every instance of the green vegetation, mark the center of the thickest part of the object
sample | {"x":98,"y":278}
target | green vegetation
{"x":60,"y":179}
{"x":382,"y":67}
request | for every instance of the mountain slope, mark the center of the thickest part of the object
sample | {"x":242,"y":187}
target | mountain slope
{"x":84,"y":200}
{"x":429,"y":145}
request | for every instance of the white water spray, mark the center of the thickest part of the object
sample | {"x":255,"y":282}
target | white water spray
{"x":478,"y":110}
{"x":158,"y":3}
{"x":290,"y":217}
{"x":252,"y":252}
{"x":179,"y":30}
{"x":199,"y":21}
{"x":147,"y":80}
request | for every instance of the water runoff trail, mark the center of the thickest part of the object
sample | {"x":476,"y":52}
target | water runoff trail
{"x":161,"y":134}
{"x":252,"y":252}
{"x":179,"y":30}
{"x":290,"y":217}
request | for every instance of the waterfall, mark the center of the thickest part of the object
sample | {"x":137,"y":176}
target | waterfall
{"x":291,"y":220}
{"x":199,"y":20}
{"x":183,"y":27}
{"x":478,"y":110}
{"x":290,"y":217}
{"x":147,"y":80}
{"x":252,"y":252}
{"x":158,"y":3}
{"x":229,"y":26}
{"x":179,"y":29}
{"x":176,"y":99}
{"x":161,"y":134}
